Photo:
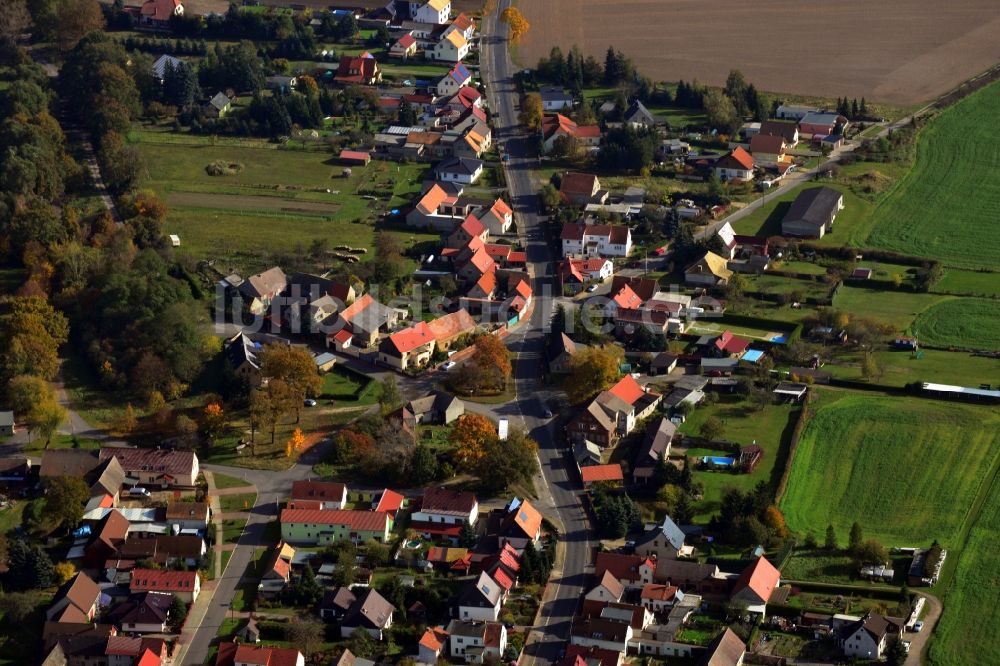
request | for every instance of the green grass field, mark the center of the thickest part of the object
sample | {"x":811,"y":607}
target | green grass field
{"x":279,"y":202}
{"x":957,"y":281}
{"x":945,"y":207}
{"x":968,"y":323}
{"x":971,"y":609}
{"x":344,"y":385}
{"x":898,"y":308}
{"x":766,"y":220}
{"x":900,"y":368}
{"x":771,"y":429}
{"x":907,"y":470}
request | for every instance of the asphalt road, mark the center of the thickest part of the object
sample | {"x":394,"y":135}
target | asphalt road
{"x":558,"y":490}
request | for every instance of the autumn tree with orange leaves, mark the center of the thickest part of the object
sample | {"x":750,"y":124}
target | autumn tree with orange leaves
{"x":471,"y":436}
{"x":516,"y":22}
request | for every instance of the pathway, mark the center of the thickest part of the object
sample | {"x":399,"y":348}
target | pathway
{"x":918,"y":642}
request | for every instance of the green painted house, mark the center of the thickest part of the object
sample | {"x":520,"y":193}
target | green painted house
{"x":321,"y":527}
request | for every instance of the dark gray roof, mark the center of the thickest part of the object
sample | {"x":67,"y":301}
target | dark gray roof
{"x":463,"y":165}
{"x":6,"y":418}
{"x":638,"y":113}
{"x":814,"y":206}
{"x":483,"y":592}
{"x":658,"y":438}
{"x":160,"y":66}
{"x":554,"y":94}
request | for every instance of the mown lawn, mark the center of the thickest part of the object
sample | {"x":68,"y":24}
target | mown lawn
{"x":907,"y":470}
{"x":898,"y":308}
{"x":223,"y":481}
{"x":345,"y":385}
{"x":240,"y":502}
{"x":900,"y":368}
{"x":771,"y":429}
{"x":945,"y":207}
{"x":967,"y":323}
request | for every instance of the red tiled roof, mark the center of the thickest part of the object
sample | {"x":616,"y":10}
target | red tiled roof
{"x":390,"y":502}
{"x":578,"y":183}
{"x":406,"y":41}
{"x":572,"y":231}
{"x":343,"y":335}
{"x":598,"y":473}
{"x":463,"y":22}
{"x":434,"y":638}
{"x":487,"y":283}
{"x":437,"y":529}
{"x":730,"y":343}
{"x":153,"y":580}
{"x":159,"y":10}
{"x":767,"y":143}
{"x":527,"y":518}
{"x":358,"y":155}
{"x":627,"y":389}
{"x":433,"y":199}
{"x":509,"y":558}
{"x":519,"y":257}
{"x":318,"y":490}
{"x":305,"y":504}
{"x":498,"y":251}
{"x":482,"y":261}
{"x":445,"y":500}
{"x":501,"y":208}
{"x":472,"y":226}
{"x":451,"y":325}
{"x":740,"y":156}
{"x":761,"y":577}
{"x":265,"y":656}
{"x":523,"y":289}
{"x":412,"y":337}
{"x":657,"y":592}
{"x":626,"y":298}
{"x":501,"y":577}
{"x":357,"y":307}
{"x":368,"y":521}
{"x":622,"y":567}
{"x":149,"y":658}
{"x":165,"y":461}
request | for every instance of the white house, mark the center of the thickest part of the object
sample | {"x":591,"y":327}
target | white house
{"x":608,"y":588}
{"x":453,"y":47}
{"x":432,"y":11}
{"x":330,"y":495}
{"x":453,"y":81}
{"x":737,"y":166}
{"x":867,"y":638}
{"x":554,"y":98}
{"x":595,"y":240}
{"x":481,"y":599}
{"x":497,"y":218}
{"x":465,"y":170}
{"x":476,"y":642}
{"x":443,"y":512}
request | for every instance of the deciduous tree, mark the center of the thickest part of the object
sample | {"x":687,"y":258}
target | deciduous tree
{"x":592,"y":370}
{"x":64,"y":500}
{"x":711,"y":428}
{"x":516,"y":22}
{"x":471,"y":436}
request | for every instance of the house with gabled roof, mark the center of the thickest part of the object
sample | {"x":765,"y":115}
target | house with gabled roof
{"x":408,"y":348}
{"x":560,"y":353}
{"x":430,"y":11}
{"x":457,"y":77}
{"x":866,"y":638}
{"x":595,"y":240}
{"x":610,"y":474}
{"x":185,"y":584}
{"x":812,"y":213}
{"x":602,"y":633}
{"x":632,"y":571}
{"x":522,"y":523}
{"x":76,"y":601}
{"x":164,"y":62}
{"x":788,"y":131}
{"x":330,"y":494}
{"x":404,"y":47}
{"x":156,"y":14}
{"x":726,"y":649}
{"x":556,"y":126}
{"x":580,"y":189}
{"x":370,"y":612}
{"x":465,"y":170}
{"x":709,"y":270}
{"x":259,"y":290}
{"x":664,"y":541}
{"x":466,"y":230}
{"x":497,"y":218}
{"x":237,"y":654}
{"x":322,"y":527}
{"x":736,"y":166}
{"x":358,"y":70}
{"x":452,"y":47}
{"x":660,"y":598}
{"x":756,"y":584}
{"x":145,"y":613}
{"x":655,"y":446}
{"x":637,"y":115}
{"x":107,"y":536}
{"x":445,"y":508}
{"x":155,"y":467}
{"x":608,"y":588}
{"x":767,"y":149}
{"x":432,"y":644}
{"x":480,"y":599}
{"x":593,"y":424}
{"x":426,"y":213}
{"x":364,"y":319}
{"x":473,"y":642}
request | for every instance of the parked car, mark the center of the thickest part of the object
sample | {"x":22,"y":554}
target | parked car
{"x":309,"y":402}
{"x":138,"y":491}
{"x":917,"y":626}
{"x":592,"y":288}
{"x":449,"y":365}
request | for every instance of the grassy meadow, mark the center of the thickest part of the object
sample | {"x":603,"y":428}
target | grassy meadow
{"x":957,"y":281}
{"x":906,"y":469}
{"x":945,"y":207}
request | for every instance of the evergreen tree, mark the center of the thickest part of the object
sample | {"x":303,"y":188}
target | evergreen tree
{"x":557,"y":65}
{"x":29,"y":567}
{"x":683,"y":512}
{"x":407,"y":115}
{"x":423,"y":465}
{"x":863,"y":108}
{"x":854,"y":109}
{"x":831,"y":538}
{"x":530,"y":565}
{"x":855,"y":538}
{"x":895,"y":653}
{"x":612,"y":68}
{"x":467,"y":536}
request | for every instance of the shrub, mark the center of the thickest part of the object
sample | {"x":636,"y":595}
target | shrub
{"x":224,"y":168}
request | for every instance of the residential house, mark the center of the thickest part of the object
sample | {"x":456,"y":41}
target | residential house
{"x":328,"y":494}
{"x":320,"y":527}
{"x":767,"y":149}
{"x":185,"y":584}
{"x":427,"y":211}
{"x":465,"y":170}
{"x":14,"y":469}
{"x":506,"y":256}
{"x":156,"y":14}
{"x":729,"y":345}
{"x":555,"y":98}
{"x":663,"y":363}
{"x":574,"y":274}
{"x":277,"y":572}
{"x":737,"y":166}
{"x":587,"y":453}
{"x":261,"y":289}
{"x":788,"y":131}
{"x":76,"y":601}
{"x":756,"y":584}
{"x":443,"y":512}
{"x":602,"y":633}
{"x":822,"y":124}
{"x":626,"y":403}
{"x":522,"y":523}
{"x":433,"y":644}
{"x":608,"y":588}
{"x":637,"y":616}
{"x":6,"y":423}
{"x":637,"y":115}
{"x":595,"y":240}
{"x":464,"y":24}
{"x":370,"y":612}
{"x":458,"y":77}
{"x":469,"y":228}
{"x":710,"y":270}
{"x":164,"y":468}
{"x":188,"y":515}
{"x":242,"y":353}
{"x":480,"y":599}
{"x":557,"y":126}
{"x":660,"y":598}
{"x":250,"y":633}
{"x":655,"y":447}
{"x":593,"y":424}
{"x":335,"y":603}
{"x":692,"y":577}
{"x":866,"y":638}
{"x":453,"y":47}
{"x":135,"y":651}
{"x":164,"y":549}
{"x":605,"y":474}
{"x":726,"y":649}
{"x":473,"y":642}
{"x":436,"y":408}
{"x":409,"y":348}
{"x":497,"y":218}
{"x":358,"y":70}
{"x":218,"y":106}
{"x":812,"y":213}
{"x":363,"y":320}
{"x":663,"y":542}
{"x":145,"y":613}
{"x":580,"y":189}
{"x":238,"y":654}
{"x":404,"y":47}
{"x":106,"y":538}
{"x":431,"y":11}
{"x":632,"y":571}
{"x":472,"y":271}
{"x":560,"y":354}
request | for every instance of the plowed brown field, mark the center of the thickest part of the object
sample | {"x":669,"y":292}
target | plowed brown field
{"x":899,"y":52}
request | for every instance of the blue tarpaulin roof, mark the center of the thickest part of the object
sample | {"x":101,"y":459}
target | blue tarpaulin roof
{"x":753,"y":355}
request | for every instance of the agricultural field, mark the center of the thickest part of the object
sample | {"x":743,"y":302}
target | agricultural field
{"x":957,"y":281}
{"x":944,"y":208}
{"x":971,"y":611}
{"x":771,"y":429}
{"x":967,"y":323}
{"x":934,"y":52}
{"x":907,"y":470}
{"x":279,"y":201}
